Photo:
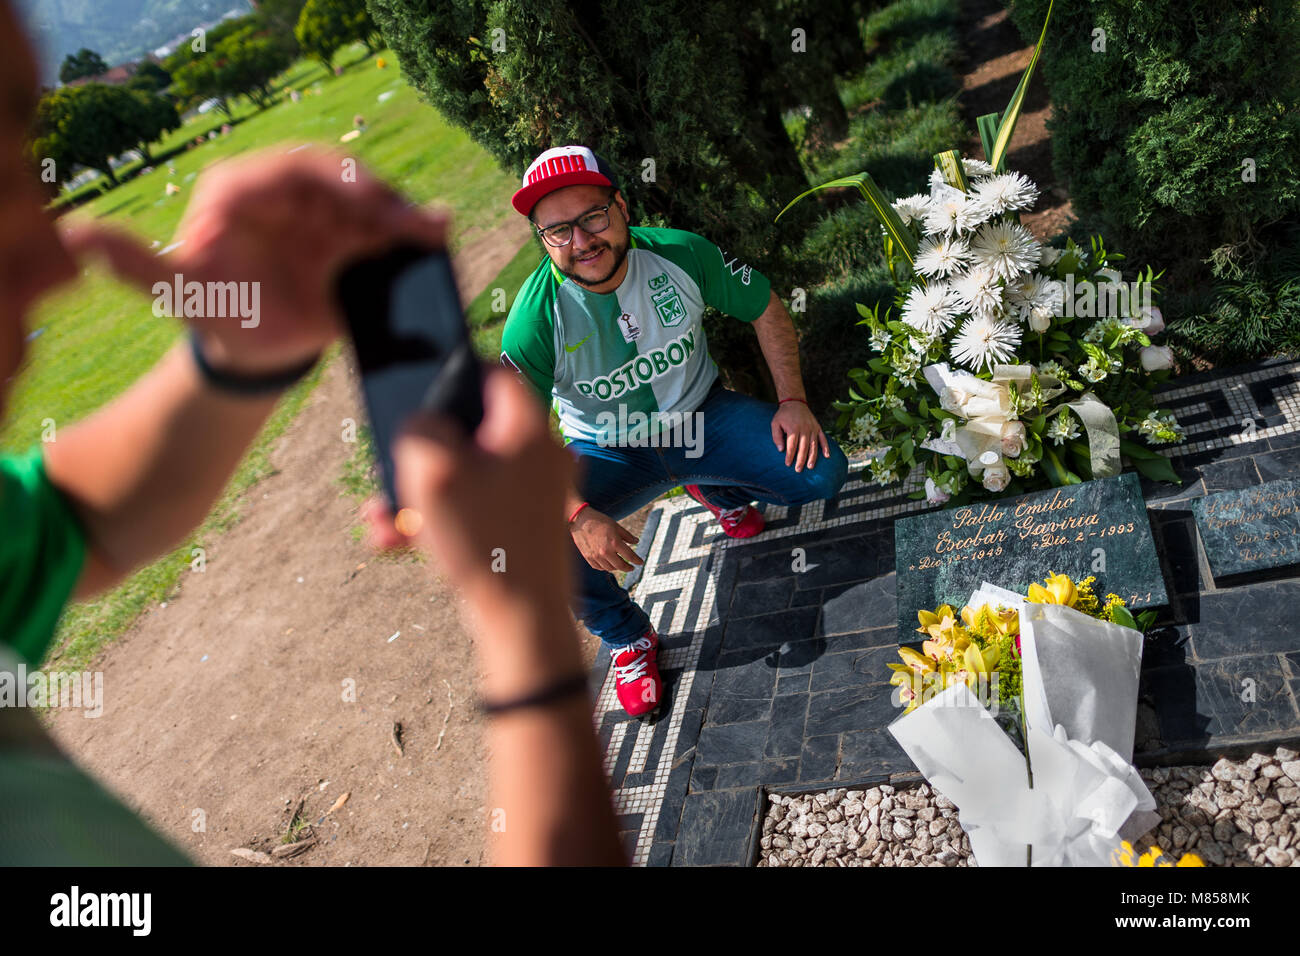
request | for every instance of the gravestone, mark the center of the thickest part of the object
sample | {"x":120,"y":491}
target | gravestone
{"x":1250,"y":529}
{"x":1095,"y":528}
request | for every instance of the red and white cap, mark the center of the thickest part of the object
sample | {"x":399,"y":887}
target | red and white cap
{"x":557,"y":168}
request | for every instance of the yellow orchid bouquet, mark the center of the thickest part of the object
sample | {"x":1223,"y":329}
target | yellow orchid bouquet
{"x":980,"y":647}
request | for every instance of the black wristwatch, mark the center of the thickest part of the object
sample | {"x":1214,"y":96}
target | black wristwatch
{"x":247,"y":385}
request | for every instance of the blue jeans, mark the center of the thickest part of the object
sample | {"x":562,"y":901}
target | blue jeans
{"x":739,"y":463}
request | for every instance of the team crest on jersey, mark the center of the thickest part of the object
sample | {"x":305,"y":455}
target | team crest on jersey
{"x":668,"y":304}
{"x":627,"y":324}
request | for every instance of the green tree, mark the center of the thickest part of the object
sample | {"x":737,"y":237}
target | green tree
{"x":1175,"y":123}
{"x":658,"y":88}
{"x":150,"y":77}
{"x":326,"y":26}
{"x":240,"y":57}
{"x":148,"y":116}
{"x":81,"y":64}
{"x":281,"y":15}
{"x":88,"y":125}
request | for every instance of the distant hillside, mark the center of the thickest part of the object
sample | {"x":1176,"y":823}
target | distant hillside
{"x":117,"y":30}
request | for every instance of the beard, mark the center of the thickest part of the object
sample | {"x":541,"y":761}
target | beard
{"x":619,"y":252}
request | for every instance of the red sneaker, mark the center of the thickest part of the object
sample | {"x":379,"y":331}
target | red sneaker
{"x":738,"y":522}
{"x":636,"y":674}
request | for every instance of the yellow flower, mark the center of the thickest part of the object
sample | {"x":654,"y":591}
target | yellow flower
{"x":1059,"y":589}
{"x":913,"y":661}
{"x":1153,"y":857}
{"x":937,"y":623}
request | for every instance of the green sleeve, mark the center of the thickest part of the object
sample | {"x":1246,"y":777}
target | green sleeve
{"x":727,"y":284}
{"x":528,"y":340}
{"x":41,"y":554}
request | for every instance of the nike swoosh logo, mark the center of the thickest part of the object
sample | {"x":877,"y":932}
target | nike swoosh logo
{"x":574,"y":348}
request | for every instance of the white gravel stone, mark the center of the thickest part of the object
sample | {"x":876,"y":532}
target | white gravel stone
{"x":1234,"y":813}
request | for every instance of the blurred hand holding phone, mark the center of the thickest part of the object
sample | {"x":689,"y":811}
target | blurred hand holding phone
{"x":412,"y":345}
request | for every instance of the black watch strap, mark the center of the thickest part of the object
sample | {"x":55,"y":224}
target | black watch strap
{"x":547,"y":695}
{"x":250,"y":385}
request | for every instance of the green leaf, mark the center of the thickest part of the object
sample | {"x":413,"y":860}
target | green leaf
{"x":1157,"y":469}
{"x":1012,"y":113}
{"x":893,"y":224}
{"x":1120,"y":615}
{"x":916,"y":495}
{"x":902,"y":416}
{"x":1057,"y":473}
{"x":1146,"y":619}
{"x":1136,"y":451}
{"x":988,"y":127}
{"x":954,"y":174}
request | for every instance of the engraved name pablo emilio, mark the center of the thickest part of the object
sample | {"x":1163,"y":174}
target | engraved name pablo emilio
{"x":983,"y":531}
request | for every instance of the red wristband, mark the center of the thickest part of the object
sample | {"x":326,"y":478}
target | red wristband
{"x":579,"y":511}
{"x":784,"y":400}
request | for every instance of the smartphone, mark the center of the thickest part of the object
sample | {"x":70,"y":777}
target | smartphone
{"x":412,"y":346}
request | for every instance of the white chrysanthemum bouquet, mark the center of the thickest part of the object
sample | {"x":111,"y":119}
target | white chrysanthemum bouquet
{"x":1016,"y":366}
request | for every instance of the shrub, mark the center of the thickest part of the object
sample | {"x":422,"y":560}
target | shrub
{"x":1176,"y":123}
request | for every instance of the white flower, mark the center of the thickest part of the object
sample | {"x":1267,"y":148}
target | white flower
{"x":1014,"y":439}
{"x":1049,"y":257}
{"x":950,"y":214}
{"x":984,"y":341}
{"x":883,"y":475}
{"x":912,"y":209}
{"x":879,"y":340}
{"x":1035,"y":299}
{"x":1151,"y":321}
{"x":1006,"y":248}
{"x":996,"y":477}
{"x":1005,"y":193}
{"x":891,"y":401}
{"x":1054,"y":369}
{"x":976,"y":168}
{"x":979,"y":293}
{"x":932,"y":309}
{"x":942,"y":256}
{"x":936,"y":179}
{"x":1155,"y":357}
{"x":934,"y":494}
{"x":1161,"y":428}
{"x":948,"y":431}
{"x":905,"y":368}
{"x":863,"y":430}
{"x":1063,"y":428}
{"x":1091,"y":371}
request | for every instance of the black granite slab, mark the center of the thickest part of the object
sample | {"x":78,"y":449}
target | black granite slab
{"x":1097,"y":527}
{"x":1250,"y":529}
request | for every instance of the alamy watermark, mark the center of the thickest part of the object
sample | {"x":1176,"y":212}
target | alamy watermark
{"x":637,"y":429}
{"x":78,"y":690}
{"x":220,"y":300}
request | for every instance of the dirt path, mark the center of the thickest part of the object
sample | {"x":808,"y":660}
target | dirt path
{"x":276,"y":676}
{"x":996,"y":56}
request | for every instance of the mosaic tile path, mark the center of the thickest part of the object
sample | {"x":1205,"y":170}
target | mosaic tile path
{"x":776,"y":678}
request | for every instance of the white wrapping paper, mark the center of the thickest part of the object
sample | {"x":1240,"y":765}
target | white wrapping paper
{"x":1080,"y":690}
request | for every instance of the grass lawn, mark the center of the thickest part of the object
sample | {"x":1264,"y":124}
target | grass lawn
{"x":96,"y":337}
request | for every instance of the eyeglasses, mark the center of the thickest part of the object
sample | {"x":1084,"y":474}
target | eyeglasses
{"x":561,"y":234}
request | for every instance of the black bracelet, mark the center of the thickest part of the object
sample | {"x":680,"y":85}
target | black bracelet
{"x":250,"y":385}
{"x":557,"y":691}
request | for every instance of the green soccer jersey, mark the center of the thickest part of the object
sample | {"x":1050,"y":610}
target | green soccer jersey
{"x":51,"y":814}
{"x":599,"y":359}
